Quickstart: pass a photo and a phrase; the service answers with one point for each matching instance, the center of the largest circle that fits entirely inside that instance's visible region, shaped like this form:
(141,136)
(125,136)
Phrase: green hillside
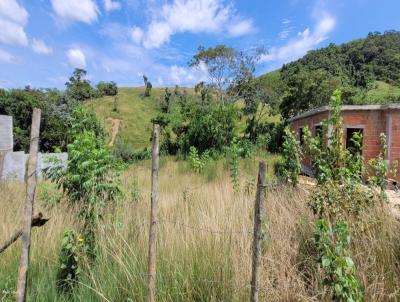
(134,110)
(366,70)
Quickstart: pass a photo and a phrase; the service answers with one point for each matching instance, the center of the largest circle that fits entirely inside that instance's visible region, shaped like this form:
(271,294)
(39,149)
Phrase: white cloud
(6,57)
(76,58)
(10,9)
(12,33)
(195,16)
(76,10)
(158,33)
(305,41)
(187,75)
(241,28)
(286,29)
(110,5)
(137,34)
(13,18)
(40,47)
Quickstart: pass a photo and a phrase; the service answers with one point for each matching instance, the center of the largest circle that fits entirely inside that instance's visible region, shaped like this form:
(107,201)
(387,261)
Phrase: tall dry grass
(204,243)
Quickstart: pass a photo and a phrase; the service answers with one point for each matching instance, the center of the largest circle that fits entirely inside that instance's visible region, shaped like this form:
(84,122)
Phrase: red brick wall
(373,123)
(394,148)
(311,122)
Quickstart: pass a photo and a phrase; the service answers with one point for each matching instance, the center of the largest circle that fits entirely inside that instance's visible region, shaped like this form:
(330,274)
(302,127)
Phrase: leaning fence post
(257,235)
(30,196)
(153,216)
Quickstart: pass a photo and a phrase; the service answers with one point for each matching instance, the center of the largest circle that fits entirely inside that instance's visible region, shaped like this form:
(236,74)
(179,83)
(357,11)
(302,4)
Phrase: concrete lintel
(345,108)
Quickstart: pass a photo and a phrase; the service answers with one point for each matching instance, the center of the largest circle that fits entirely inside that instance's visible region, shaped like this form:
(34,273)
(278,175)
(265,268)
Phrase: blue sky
(42,41)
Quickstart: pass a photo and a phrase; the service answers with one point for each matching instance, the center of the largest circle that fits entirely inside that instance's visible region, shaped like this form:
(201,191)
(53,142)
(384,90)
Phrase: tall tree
(220,62)
(78,87)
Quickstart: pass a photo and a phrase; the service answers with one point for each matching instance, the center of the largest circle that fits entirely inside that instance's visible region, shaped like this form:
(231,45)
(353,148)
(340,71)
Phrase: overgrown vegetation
(57,108)
(366,70)
(315,245)
(90,181)
(290,167)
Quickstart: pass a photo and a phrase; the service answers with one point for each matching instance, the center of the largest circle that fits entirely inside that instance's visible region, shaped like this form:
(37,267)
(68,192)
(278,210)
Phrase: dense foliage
(335,258)
(78,87)
(107,88)
(203,126)
(290,167)
(355,67)
(57,109)
(90,178)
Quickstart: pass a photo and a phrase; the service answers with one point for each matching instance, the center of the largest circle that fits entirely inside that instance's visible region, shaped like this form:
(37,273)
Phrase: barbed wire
(218,232)
(195,228)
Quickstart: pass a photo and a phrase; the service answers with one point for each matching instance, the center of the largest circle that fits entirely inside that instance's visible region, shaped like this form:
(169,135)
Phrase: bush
(290,168)
(122,151)
(107,88)
(68,269)
(197,162)
(270,136)
(335,258)
(211,127)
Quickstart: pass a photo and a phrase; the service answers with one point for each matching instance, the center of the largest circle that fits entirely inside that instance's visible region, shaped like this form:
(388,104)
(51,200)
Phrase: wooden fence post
(153,216)
(30,196)
(257,235)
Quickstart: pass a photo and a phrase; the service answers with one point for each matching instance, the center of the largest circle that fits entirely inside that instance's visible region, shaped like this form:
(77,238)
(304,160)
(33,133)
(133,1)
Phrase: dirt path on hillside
(115,125)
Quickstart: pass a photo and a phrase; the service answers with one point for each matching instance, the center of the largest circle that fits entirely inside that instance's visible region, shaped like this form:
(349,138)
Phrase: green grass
(383,93)
(135,111)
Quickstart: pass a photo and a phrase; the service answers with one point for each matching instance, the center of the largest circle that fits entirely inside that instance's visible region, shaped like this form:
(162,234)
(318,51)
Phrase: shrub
(197,162)
(49,194)
(337,200)
(83,120)
(90,179)
(381,168)
(122,151)
(233,156)
(333,161)
(107,88)
(270,136)
(335,259)
(68,269)
(290,167)
(211,126)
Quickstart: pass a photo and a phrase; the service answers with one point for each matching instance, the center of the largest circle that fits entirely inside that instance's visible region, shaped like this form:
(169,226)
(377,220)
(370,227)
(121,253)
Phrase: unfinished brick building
(370,120)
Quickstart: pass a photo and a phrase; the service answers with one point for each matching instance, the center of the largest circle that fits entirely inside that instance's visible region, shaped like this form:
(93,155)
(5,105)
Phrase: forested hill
(367,71)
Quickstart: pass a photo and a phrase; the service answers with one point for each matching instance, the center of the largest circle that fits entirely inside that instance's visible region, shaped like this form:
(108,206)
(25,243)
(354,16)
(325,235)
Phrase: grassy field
(381,92)
(135,111)
(204,241)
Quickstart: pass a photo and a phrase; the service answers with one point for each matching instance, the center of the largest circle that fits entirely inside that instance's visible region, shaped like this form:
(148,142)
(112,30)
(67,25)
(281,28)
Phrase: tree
(56,108)
(244,86)
(148,86)
(219,61)
(356,68)
(166,101)
(107,88)
(205,94)
(291,165)
(78,87)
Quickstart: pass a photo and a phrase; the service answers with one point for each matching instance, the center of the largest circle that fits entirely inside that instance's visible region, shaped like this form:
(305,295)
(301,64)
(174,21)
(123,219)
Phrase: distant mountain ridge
(366,70)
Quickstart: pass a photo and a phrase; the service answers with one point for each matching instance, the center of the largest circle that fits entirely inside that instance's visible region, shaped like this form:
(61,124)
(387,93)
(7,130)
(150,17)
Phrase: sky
(42,41)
